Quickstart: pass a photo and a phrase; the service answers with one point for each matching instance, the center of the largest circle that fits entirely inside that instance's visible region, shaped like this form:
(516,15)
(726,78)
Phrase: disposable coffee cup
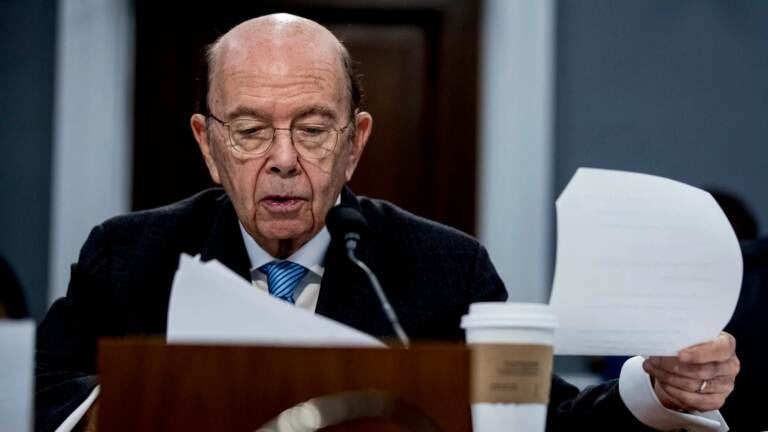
(510,366)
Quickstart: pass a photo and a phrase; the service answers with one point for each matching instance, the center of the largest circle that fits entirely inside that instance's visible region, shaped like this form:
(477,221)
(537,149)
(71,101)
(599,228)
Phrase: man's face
(281,197)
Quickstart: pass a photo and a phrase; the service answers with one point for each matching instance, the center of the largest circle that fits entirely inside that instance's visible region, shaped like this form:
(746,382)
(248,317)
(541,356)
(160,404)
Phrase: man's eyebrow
(244,111)
(316,110)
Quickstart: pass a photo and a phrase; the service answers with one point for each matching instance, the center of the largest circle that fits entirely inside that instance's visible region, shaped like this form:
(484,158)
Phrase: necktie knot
(283,277)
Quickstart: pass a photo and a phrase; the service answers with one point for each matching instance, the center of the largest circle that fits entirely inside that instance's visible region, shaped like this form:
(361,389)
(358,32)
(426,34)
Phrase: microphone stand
(351,244)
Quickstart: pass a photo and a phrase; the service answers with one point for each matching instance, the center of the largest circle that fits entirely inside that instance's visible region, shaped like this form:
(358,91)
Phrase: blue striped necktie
(282,278)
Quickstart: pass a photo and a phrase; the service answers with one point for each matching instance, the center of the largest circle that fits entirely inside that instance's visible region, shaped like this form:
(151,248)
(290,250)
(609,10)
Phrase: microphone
(347,223)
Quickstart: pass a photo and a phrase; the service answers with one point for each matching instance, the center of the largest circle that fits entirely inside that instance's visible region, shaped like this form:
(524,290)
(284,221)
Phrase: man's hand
(699,378)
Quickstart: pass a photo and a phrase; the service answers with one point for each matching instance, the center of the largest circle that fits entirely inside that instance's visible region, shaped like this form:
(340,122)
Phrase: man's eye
(254,132)
(311,130)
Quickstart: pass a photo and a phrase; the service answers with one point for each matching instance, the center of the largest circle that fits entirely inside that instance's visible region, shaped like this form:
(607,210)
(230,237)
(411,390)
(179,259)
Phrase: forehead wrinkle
(274,65)
(257,114)
(282,66)
(245,82)
(271,96)
(242,85)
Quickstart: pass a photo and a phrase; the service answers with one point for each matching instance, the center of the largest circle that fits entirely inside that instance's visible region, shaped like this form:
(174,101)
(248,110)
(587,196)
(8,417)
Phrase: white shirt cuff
(638,395)
(79,412)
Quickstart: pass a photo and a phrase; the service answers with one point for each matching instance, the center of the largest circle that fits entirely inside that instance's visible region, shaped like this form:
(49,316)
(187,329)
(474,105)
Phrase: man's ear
(200,131)
(363,127)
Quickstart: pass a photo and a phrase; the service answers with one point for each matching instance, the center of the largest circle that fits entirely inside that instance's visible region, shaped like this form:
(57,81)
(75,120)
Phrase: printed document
(645,265)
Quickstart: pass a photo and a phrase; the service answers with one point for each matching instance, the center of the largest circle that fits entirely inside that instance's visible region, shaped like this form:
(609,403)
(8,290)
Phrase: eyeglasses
(250,137)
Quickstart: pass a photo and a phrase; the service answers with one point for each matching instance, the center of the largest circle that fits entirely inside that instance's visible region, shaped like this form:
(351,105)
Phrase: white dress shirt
(638,395)
(311,256)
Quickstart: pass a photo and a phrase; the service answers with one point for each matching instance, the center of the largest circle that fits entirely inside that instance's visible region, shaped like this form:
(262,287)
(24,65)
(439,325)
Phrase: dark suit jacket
(431,273)
(744,410)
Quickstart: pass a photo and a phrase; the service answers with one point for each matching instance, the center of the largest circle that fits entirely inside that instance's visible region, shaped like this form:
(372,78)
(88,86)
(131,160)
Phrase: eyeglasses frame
(339,132)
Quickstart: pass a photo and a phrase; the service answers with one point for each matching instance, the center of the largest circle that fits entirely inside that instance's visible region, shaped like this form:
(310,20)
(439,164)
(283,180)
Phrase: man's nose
(283,158)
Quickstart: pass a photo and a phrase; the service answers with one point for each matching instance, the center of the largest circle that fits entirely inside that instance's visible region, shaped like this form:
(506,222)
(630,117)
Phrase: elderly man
(283,133)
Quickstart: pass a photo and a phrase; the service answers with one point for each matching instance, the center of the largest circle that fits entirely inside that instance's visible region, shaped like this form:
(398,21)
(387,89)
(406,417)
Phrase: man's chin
(285,230)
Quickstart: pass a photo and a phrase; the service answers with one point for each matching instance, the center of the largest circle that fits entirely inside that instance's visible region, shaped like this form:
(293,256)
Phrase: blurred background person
(738,212)
(13,305)
(744,410)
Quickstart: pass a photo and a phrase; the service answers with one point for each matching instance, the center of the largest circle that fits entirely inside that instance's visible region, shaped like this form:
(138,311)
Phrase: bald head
(289,77)
(273,39)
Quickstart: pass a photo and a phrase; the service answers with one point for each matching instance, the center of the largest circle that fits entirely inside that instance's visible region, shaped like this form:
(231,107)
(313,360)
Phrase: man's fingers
(718,384)
(696,371)
(720,349)
(694,401)
(666,399)
(678,380)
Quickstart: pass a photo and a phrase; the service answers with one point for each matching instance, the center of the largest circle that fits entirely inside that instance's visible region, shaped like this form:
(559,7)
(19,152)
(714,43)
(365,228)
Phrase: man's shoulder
(397,224)
(755,253)
(200,207)
(183,224)
(425,259)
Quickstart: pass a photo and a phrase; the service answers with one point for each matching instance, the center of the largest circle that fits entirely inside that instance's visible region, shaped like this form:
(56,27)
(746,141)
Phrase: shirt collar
(311,255)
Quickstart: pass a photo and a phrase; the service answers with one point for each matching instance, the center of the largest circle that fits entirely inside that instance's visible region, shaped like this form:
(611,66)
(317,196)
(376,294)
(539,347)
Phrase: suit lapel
(225,242)
(345,293)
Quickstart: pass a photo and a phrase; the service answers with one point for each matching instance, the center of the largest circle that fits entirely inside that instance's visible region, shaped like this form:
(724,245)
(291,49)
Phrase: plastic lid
(500,314)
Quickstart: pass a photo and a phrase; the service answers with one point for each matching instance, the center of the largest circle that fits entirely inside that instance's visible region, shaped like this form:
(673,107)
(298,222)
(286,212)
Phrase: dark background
(26,118)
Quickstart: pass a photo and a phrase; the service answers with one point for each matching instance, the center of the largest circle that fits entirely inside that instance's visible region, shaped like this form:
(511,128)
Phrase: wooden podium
(147,385)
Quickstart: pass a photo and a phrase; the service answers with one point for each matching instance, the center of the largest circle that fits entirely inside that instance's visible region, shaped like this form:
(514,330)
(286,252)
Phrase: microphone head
(344,219)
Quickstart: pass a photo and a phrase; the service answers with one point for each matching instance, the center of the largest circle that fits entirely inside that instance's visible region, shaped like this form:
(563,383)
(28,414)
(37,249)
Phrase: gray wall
(673,88)
(26,86)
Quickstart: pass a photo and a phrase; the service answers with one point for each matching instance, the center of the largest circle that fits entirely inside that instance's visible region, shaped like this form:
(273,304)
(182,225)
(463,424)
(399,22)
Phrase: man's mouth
(282,203)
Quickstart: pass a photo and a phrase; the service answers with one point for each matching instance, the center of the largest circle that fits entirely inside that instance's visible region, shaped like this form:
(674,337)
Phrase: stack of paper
(210,304)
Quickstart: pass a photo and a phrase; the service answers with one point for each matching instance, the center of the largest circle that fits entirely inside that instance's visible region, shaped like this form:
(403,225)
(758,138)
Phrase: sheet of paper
(210,304)
(17,343)
(645,265)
